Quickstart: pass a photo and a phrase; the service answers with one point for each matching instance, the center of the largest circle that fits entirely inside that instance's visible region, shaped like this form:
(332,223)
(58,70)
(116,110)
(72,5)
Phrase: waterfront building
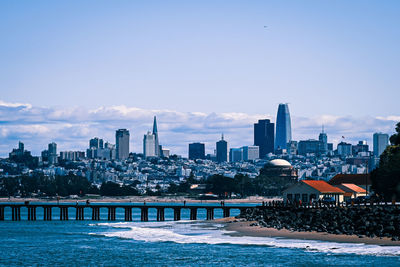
(122,143)
(264,137)
(309,190)
(235,155)
(283,127)
(149,145)
(361,180)
(197,151)
(381,141)
(222,150)
(344,149)
(250,152)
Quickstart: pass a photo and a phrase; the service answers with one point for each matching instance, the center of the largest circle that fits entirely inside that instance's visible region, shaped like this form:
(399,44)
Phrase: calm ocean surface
(169,243)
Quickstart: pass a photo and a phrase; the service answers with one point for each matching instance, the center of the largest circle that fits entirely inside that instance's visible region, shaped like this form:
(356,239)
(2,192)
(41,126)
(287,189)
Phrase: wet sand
(243,228)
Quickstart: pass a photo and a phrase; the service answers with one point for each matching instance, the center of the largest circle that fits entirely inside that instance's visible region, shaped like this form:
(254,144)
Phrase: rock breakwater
(364,221)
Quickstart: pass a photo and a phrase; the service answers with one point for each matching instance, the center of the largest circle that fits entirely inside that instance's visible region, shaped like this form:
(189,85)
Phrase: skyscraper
(156,142)
(323,139)
(149,145)
(222,150)
(122,143)
(381,141)
(283,127)
(264,137)
(52,156)
(197,151)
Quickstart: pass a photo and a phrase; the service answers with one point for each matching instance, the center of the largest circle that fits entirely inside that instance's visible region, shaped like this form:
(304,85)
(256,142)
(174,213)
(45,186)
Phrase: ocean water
(169,243)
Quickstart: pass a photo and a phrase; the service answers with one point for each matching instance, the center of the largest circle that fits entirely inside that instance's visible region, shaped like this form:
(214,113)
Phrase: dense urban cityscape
(156,169)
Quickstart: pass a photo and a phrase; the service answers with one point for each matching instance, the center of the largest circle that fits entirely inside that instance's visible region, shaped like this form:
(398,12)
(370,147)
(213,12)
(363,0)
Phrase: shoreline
(243,228)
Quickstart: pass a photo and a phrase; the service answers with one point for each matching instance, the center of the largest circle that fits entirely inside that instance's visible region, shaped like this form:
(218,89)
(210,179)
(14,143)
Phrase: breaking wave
(185,232)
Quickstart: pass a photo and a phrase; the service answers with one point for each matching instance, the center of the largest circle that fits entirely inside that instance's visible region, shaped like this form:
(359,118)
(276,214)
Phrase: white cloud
(71,128)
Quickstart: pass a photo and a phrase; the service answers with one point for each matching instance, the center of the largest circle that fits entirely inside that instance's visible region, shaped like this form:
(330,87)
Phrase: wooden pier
(65,212)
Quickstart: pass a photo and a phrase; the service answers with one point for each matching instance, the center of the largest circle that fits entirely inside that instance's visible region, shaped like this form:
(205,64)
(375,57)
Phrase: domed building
(279,168)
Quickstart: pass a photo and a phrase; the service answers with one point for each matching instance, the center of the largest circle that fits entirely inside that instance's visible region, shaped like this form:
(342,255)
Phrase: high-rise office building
(235,154)
(52,154)
(381,141)
(283,127)
(156,142)
(122,143)
(250,152)
(197,151)
(222,150)
(323,139)
(149,147)
(264,137)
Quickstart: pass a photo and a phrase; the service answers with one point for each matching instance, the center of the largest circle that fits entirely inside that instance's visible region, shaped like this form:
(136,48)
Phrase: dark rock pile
(371,221)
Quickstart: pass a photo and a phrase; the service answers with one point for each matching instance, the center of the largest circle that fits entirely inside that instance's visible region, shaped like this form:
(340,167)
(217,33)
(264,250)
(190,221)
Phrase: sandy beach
(243,228)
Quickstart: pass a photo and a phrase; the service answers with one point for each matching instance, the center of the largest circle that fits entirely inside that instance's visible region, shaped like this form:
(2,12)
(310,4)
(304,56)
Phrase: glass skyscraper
(264,137)
(283,127)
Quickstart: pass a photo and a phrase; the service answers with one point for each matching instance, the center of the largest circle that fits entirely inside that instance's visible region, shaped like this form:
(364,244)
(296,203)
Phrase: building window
(296,197)
(313,196)
(289,197)
(304,198)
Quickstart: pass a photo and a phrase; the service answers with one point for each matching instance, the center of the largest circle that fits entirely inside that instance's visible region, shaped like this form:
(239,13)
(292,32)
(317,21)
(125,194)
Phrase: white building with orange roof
(307,190)
(352,190)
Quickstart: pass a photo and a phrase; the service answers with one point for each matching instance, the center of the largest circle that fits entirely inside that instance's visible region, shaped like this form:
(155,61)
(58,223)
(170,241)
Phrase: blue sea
(169,243)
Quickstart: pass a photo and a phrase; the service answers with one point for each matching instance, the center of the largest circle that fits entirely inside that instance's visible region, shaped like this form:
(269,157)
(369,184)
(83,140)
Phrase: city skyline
(72,128)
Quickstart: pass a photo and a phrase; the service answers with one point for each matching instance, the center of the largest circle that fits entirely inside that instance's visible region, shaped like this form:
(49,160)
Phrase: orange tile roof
(353,187)
(323,186)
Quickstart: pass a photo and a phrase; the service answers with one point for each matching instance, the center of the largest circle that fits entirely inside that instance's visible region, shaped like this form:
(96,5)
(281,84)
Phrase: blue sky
(328,59)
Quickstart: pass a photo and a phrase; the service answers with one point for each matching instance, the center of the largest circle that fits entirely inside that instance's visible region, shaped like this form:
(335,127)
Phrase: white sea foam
(189,232)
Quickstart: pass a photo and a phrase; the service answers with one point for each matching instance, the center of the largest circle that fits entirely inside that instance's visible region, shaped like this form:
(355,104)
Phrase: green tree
(386,178)
(395,138)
